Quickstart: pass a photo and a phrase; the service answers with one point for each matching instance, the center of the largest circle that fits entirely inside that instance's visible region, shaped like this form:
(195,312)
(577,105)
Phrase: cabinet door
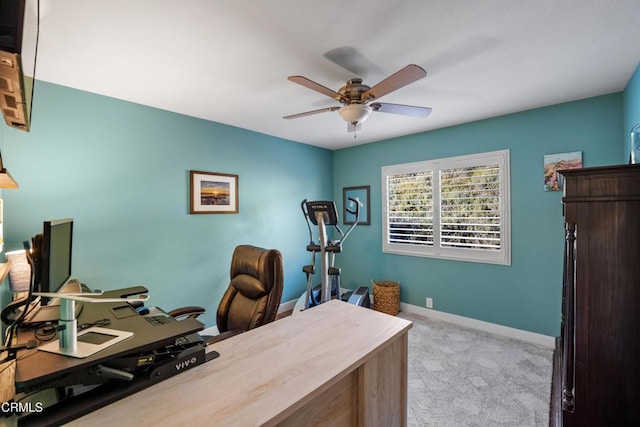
(607,325)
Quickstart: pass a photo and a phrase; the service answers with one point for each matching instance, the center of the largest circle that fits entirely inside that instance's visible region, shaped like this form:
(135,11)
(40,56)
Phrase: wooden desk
(334,364)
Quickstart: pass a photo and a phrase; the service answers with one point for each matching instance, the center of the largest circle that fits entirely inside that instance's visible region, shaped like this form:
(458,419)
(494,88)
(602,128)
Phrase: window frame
(501,256)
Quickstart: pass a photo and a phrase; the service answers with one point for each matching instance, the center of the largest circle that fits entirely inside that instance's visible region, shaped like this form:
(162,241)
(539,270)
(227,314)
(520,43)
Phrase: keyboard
(189,340)
(183,341)
(159,320)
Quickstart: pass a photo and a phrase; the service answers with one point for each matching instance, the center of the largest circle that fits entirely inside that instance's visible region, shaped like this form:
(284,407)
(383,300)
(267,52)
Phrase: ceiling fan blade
(408,74)
(405,110)
(315,86)
(310,113)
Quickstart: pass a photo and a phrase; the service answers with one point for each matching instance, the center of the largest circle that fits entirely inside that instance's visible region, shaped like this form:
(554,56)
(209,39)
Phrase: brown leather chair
(253,296)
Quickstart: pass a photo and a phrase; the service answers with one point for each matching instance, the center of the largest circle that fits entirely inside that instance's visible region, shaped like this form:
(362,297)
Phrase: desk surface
(263,375)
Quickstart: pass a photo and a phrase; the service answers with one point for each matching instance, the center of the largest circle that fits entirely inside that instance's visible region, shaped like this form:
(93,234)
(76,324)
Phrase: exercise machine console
(322,214)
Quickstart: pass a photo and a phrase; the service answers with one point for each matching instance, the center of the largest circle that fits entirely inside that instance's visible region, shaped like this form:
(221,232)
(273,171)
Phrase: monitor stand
(89,342)
(46,314)
(93,339)
(38,313)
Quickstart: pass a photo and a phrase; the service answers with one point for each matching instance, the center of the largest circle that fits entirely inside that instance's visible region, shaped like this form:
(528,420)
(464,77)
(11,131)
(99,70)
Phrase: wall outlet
(429,302)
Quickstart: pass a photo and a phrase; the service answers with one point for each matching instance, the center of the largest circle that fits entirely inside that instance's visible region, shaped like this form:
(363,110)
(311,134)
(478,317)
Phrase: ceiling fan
(356,97)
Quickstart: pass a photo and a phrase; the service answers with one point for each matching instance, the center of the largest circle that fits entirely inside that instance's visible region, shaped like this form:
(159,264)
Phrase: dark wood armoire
(596,372)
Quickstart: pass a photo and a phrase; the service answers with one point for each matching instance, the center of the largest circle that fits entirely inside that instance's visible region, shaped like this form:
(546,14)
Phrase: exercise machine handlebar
(326,212)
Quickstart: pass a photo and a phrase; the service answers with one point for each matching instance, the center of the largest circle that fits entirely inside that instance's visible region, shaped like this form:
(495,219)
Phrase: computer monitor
(55,255)
(50,258)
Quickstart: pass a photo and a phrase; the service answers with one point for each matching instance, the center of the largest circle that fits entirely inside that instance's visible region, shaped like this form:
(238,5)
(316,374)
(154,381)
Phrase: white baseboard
(468,322)
(287,306)
(493,328)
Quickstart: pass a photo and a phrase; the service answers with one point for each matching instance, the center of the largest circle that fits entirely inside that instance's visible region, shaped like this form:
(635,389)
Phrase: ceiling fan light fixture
(355,113)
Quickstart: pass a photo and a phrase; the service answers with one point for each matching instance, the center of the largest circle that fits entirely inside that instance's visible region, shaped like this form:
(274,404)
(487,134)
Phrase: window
(455,208)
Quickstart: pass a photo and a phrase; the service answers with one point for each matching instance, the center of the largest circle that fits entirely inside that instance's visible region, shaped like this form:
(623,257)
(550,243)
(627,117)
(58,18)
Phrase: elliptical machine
(323,214)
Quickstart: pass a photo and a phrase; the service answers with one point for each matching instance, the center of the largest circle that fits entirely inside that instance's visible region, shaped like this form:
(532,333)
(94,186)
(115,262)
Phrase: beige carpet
(461,377)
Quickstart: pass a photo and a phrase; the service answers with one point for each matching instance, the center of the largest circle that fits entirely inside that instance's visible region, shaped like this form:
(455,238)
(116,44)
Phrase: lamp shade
(355,113)
(6,180)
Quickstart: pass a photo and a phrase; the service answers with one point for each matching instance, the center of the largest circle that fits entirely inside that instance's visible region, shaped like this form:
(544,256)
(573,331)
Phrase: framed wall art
(359,193)
(634,158)
(555,162)
(213,193)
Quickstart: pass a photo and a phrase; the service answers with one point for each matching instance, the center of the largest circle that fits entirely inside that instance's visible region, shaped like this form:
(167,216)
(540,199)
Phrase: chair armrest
(190,312)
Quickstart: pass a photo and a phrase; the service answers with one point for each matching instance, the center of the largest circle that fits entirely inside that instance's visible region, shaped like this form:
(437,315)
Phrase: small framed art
(555,162)
(362,195)
(213,193)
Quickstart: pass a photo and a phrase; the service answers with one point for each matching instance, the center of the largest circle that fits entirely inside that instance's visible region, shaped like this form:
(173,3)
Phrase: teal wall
(527,294)
(121,170)
(631,102)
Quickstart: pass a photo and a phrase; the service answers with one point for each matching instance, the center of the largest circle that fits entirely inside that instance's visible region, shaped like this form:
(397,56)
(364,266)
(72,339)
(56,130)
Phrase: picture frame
(634,156)
(554,181)
(361,193)
(213,193)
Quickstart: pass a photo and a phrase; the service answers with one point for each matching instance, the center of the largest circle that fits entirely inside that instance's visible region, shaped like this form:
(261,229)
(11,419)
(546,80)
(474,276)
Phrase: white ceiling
(228,61)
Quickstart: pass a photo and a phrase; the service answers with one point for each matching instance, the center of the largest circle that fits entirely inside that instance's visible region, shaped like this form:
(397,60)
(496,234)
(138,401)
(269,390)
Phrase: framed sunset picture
(213,193)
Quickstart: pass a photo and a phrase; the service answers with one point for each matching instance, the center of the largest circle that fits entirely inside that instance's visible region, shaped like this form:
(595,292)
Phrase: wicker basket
(386,297)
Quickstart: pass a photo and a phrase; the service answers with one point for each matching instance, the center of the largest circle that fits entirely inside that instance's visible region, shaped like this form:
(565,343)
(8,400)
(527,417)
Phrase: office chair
(253,296)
